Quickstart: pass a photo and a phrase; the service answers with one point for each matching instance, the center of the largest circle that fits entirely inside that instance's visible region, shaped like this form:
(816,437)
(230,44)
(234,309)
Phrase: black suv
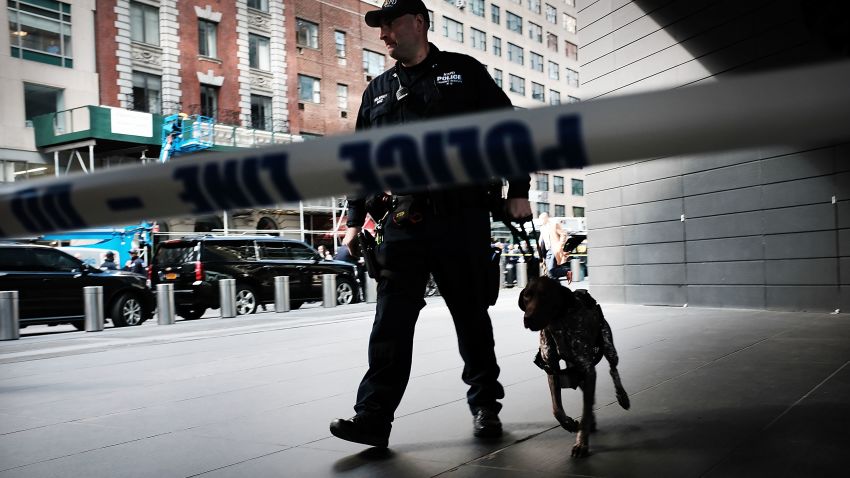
(195,265)
(50,287)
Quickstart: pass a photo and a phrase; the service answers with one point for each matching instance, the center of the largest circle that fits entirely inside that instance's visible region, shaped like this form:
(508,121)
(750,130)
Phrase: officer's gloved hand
(519,209)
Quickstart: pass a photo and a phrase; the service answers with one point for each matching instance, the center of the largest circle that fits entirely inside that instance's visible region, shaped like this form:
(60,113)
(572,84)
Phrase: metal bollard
(227,296)
(93,300)
(371,290)
(329,290)
(521,273)
(575,266)
(165,304)
(9,326)
(281,294)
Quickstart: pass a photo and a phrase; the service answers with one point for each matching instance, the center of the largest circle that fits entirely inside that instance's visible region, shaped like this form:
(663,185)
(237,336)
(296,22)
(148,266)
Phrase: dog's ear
(521,300)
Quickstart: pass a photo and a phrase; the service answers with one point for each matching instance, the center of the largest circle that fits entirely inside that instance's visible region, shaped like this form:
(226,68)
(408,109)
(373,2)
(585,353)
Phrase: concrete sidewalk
(714,393)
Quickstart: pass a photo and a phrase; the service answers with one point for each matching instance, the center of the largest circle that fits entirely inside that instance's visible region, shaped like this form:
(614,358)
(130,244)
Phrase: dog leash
(521,236)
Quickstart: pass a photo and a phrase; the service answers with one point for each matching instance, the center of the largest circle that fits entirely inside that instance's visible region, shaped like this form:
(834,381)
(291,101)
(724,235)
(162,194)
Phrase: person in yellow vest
(552,240)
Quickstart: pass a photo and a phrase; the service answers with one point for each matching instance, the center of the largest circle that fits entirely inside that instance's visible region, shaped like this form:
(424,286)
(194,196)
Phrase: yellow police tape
(809,104)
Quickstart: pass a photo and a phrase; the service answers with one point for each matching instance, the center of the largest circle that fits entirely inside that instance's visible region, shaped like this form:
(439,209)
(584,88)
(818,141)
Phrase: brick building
(326,46)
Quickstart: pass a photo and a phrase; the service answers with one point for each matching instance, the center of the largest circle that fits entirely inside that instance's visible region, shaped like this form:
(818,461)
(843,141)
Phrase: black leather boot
(486,423)
(362,429)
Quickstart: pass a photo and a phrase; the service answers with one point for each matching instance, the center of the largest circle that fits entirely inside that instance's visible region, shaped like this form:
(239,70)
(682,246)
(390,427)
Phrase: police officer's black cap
(392,9)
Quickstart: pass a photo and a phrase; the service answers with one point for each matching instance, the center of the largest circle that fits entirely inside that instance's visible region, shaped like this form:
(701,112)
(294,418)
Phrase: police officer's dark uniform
(446,233)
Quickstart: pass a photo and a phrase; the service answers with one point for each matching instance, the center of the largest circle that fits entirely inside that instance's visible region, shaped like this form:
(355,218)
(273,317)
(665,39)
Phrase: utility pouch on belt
(368,246)
(406,210)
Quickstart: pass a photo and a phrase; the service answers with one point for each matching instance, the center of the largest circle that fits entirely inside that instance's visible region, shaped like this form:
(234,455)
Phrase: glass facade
(40,30)
(261,112)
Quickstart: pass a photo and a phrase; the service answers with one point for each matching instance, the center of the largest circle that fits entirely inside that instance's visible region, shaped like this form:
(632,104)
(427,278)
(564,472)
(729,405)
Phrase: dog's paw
(623,399)
(567,423)
(580,450)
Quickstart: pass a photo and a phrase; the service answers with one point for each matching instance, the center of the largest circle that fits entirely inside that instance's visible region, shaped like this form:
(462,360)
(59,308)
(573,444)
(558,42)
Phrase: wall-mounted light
(33,170)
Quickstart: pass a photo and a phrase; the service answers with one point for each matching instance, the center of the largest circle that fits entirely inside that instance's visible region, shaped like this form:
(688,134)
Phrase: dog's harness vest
(580,337)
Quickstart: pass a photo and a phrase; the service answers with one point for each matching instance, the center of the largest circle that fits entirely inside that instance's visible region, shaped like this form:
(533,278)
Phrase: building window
(515,54)
(514,23)
(551,14)
(554,71)
(373,63)
(558,184)
(552,42)
(479,40)
(339,40)
(569,23)
(542,180)
(41,31)
(536,62)
(538,92)
(144,23)
(578,187)
(542,207)
(477,7)
(535,32)
(306,33)
(207,38)
(147,93)
(554,97)
(452,29)
(261,112)
(497,77)
(572,77)
(342,96)
(41,100)
(571,49)
(572,99)
(309,89)
(496,14)
(261,5)
(517,84)
(259,54)
(209,101)
(430,20)
(560,210)
(578,211)
(497,46)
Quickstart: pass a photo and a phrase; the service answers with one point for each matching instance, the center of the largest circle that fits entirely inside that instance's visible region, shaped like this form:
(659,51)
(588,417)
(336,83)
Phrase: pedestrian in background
(135,264)
(552,240)
(109,262)
(441,232)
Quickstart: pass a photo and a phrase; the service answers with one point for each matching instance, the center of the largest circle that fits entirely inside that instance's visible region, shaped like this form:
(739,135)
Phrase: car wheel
(345,293)
(192,314)
(127,310)
(246,300)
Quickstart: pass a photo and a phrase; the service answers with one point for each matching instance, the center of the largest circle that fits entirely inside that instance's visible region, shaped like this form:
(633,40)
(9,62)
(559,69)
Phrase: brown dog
(574,336)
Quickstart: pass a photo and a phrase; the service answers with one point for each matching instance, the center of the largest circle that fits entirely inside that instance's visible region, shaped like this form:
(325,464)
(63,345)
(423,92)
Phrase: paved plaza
(714,393)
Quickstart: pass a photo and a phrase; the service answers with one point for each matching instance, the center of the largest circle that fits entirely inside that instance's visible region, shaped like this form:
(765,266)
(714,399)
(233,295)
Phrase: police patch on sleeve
(450,78)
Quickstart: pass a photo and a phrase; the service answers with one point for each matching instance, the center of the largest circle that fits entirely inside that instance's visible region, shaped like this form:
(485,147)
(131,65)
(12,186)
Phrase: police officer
(442,232)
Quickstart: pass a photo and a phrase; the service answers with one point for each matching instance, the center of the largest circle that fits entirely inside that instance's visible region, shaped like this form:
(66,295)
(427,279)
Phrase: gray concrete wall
(762,228)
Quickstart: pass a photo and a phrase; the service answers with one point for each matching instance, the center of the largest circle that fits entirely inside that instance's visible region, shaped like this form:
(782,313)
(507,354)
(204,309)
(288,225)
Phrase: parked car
(50,287)
(196,264)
